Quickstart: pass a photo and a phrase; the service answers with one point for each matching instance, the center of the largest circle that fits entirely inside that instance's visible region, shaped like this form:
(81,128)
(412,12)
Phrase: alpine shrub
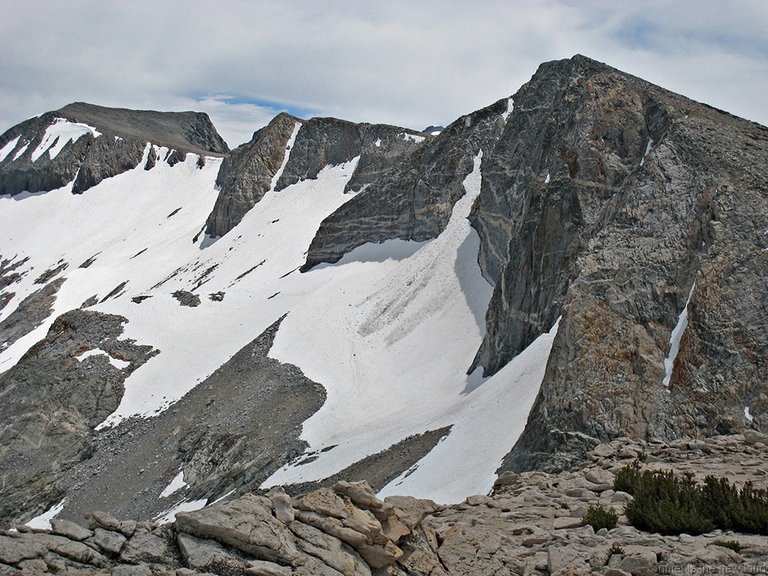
(598,517)
(667,504)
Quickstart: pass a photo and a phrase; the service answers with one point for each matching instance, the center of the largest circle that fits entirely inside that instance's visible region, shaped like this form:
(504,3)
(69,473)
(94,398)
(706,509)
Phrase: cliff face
(277,157)
(246,173)
(608,202)
(413,198)
(88,143)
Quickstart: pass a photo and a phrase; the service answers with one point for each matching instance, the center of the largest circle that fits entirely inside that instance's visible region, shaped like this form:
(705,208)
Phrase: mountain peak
(85,143)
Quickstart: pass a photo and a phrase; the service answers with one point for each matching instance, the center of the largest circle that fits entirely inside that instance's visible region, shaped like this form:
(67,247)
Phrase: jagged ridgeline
(619,237)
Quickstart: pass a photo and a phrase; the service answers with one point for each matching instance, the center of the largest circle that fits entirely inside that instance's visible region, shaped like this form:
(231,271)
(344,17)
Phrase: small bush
(598,517)
(627,478)
(667,504)
(731,544)
(615,549)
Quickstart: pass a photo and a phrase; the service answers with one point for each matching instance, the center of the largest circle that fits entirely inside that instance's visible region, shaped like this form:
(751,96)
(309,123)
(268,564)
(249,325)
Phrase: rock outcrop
(246,174)
(532,523)
(85,143)
(611,202)
(52,399)
(413,199)
(253,169)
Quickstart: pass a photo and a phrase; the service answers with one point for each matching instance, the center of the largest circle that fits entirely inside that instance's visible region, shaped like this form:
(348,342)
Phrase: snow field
(389,330)
(391,340)
(112,222)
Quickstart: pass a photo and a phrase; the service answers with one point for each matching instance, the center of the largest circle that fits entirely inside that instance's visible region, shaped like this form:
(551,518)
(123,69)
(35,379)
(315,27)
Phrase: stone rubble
(529,525)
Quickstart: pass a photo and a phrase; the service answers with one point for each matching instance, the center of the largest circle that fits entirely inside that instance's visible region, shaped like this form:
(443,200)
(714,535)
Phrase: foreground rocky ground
(530,524)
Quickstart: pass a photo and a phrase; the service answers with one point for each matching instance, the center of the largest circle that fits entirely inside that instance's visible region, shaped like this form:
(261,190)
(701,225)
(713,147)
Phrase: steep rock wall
(603,202)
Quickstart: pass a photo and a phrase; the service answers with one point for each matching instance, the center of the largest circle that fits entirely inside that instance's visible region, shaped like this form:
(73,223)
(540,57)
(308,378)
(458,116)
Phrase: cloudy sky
(411,63)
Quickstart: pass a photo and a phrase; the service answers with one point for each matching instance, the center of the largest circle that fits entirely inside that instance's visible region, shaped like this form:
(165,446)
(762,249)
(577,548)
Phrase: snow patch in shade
(184,506)
(675,338)
(174,486)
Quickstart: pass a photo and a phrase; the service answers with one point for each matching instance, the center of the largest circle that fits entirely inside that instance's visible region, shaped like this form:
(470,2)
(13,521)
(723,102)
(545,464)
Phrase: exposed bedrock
(413,199)
(248,172)
(604,200)
(51,400)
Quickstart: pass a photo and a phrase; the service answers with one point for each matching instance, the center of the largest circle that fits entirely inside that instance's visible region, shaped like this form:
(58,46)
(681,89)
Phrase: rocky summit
(351,348)
(84,144)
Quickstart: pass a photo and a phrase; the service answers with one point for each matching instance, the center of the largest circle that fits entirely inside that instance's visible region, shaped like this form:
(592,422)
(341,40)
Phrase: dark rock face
(603,201)
(329,141)
(229,433)
(54,399)
(29,314)
(412,200)
(246,174)
(90,159)
(184,131)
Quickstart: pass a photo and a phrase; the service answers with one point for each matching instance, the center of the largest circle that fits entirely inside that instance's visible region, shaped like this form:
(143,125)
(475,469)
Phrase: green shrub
(732,544)
(627,478)
(615,549)
(667,504)
(598,517)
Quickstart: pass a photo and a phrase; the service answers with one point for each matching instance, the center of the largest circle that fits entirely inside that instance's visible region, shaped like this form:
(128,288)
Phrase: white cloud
(406,63)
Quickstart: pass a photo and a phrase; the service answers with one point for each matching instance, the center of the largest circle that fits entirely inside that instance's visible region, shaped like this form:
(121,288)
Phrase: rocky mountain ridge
(84,144)
(610,210)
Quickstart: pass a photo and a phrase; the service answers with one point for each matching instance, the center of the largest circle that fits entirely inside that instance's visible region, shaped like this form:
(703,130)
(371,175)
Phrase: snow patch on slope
(675,338)
(390,338)
(184,506)
(647,151)
(8,148)
(288,148)
(21,151)
(510,108)
(59,134)
(116,362)
(174,486)
(43,521)
(412,137)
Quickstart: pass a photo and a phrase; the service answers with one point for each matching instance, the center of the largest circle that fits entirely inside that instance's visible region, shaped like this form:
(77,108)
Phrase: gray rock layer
(603,201)
(89,159)
(246,174)
(51,400)
(413,199)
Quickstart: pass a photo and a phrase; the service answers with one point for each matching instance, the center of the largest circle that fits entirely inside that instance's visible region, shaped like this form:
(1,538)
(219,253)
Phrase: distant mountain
(433,130)
(180,323)
(85,143)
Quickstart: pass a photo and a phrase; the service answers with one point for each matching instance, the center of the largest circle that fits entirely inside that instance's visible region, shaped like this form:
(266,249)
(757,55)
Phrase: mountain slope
(580,262)
(626,205)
